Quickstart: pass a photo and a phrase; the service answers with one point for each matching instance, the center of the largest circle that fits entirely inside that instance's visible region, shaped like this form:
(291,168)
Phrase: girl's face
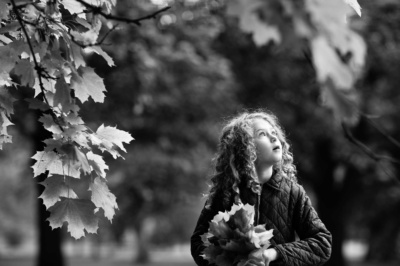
(267,143)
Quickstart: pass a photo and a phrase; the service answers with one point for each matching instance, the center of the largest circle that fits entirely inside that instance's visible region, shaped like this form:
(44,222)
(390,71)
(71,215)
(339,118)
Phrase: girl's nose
(273,139)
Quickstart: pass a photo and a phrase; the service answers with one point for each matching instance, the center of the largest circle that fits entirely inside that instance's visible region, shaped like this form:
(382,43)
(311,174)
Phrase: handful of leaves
(232,238)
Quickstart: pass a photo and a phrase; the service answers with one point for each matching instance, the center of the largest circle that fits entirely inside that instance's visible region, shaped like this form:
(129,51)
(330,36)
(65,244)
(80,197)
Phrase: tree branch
(38,68)
(97,10)
(385,134)
(366,149)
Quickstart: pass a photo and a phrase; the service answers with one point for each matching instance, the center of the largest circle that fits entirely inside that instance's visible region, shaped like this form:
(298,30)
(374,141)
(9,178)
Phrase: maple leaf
(76,54)
(250,22)
(37,104)
(6,101)
(78,213)
(97,163)
(4,39)
(74,7)
(103,198)
(342,102)
(24,69)
(8,58)
(4,10)
(4,123)
(54,163)
(10,27)
(63,95)
(111,136)
(55,187)
(354,4)
(74,119)
(88,37)
(48,84)
(72,157)
(99,51)
(87,83)
(5,79)
(328,64)
(49,124)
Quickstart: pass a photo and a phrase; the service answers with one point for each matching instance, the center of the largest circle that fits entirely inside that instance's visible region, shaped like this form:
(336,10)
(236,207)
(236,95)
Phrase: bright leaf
(250,22)
(49,124)
(99,51)
(97,163)
(328,64)
(78,213)
(55,187)
(87,83)
(114,135)
(51,161)
(354,4)
(103,198)
(4,123)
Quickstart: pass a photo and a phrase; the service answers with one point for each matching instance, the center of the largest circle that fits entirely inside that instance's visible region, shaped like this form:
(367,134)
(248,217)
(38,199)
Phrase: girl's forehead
(260,123)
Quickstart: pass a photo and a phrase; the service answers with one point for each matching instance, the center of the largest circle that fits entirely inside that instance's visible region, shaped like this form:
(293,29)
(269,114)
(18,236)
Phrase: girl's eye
(274,133)
(262,134)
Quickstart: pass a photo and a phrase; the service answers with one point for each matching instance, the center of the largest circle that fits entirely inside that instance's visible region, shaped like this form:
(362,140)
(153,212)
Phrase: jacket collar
(275,181)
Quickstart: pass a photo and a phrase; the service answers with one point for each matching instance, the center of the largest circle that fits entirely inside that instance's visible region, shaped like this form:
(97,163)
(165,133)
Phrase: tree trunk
(49,253)
(144,228)
(330,200)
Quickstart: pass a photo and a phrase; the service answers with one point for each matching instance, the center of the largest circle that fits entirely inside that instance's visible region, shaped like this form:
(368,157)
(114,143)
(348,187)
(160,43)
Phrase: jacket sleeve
(197,245)
(315,244)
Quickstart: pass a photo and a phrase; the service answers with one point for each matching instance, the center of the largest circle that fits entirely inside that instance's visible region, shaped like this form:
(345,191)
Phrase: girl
(254,165)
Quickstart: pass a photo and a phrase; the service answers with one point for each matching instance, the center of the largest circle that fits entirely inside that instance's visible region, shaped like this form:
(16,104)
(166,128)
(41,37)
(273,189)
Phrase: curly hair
(236,155)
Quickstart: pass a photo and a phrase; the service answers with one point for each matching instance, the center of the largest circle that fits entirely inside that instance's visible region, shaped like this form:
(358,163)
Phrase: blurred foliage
(177,78)
(170,90)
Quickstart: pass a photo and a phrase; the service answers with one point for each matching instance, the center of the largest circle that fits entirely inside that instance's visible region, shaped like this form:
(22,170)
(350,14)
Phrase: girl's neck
(264,174)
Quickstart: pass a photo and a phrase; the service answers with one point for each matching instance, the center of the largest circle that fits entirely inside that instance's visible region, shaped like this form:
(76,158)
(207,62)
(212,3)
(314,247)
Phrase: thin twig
(97,10)
(366,149)
(385,134)
(39,69)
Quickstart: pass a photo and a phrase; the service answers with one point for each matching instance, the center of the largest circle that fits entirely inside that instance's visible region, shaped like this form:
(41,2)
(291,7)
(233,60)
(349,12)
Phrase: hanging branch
(366,149)
(97,10)
(40,71)
(381,131)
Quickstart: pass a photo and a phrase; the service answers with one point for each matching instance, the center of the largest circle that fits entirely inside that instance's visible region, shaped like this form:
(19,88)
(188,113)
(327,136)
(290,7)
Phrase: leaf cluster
(42,47)
(318,29)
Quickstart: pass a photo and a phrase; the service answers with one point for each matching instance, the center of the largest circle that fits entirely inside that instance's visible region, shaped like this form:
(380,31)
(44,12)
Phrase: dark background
(177,79)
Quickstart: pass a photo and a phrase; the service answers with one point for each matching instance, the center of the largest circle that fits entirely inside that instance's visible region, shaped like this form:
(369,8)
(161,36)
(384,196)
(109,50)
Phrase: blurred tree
(171,90)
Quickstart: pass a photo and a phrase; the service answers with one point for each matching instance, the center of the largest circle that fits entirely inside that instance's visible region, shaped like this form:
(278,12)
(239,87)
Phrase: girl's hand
(269,255)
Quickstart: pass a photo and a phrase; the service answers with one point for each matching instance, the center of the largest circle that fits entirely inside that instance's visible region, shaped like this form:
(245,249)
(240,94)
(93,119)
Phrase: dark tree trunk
(143,254)
(330,200)
(49,241)
(49,253)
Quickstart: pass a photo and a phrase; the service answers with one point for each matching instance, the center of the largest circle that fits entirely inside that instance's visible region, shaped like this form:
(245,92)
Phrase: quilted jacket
(283,206)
